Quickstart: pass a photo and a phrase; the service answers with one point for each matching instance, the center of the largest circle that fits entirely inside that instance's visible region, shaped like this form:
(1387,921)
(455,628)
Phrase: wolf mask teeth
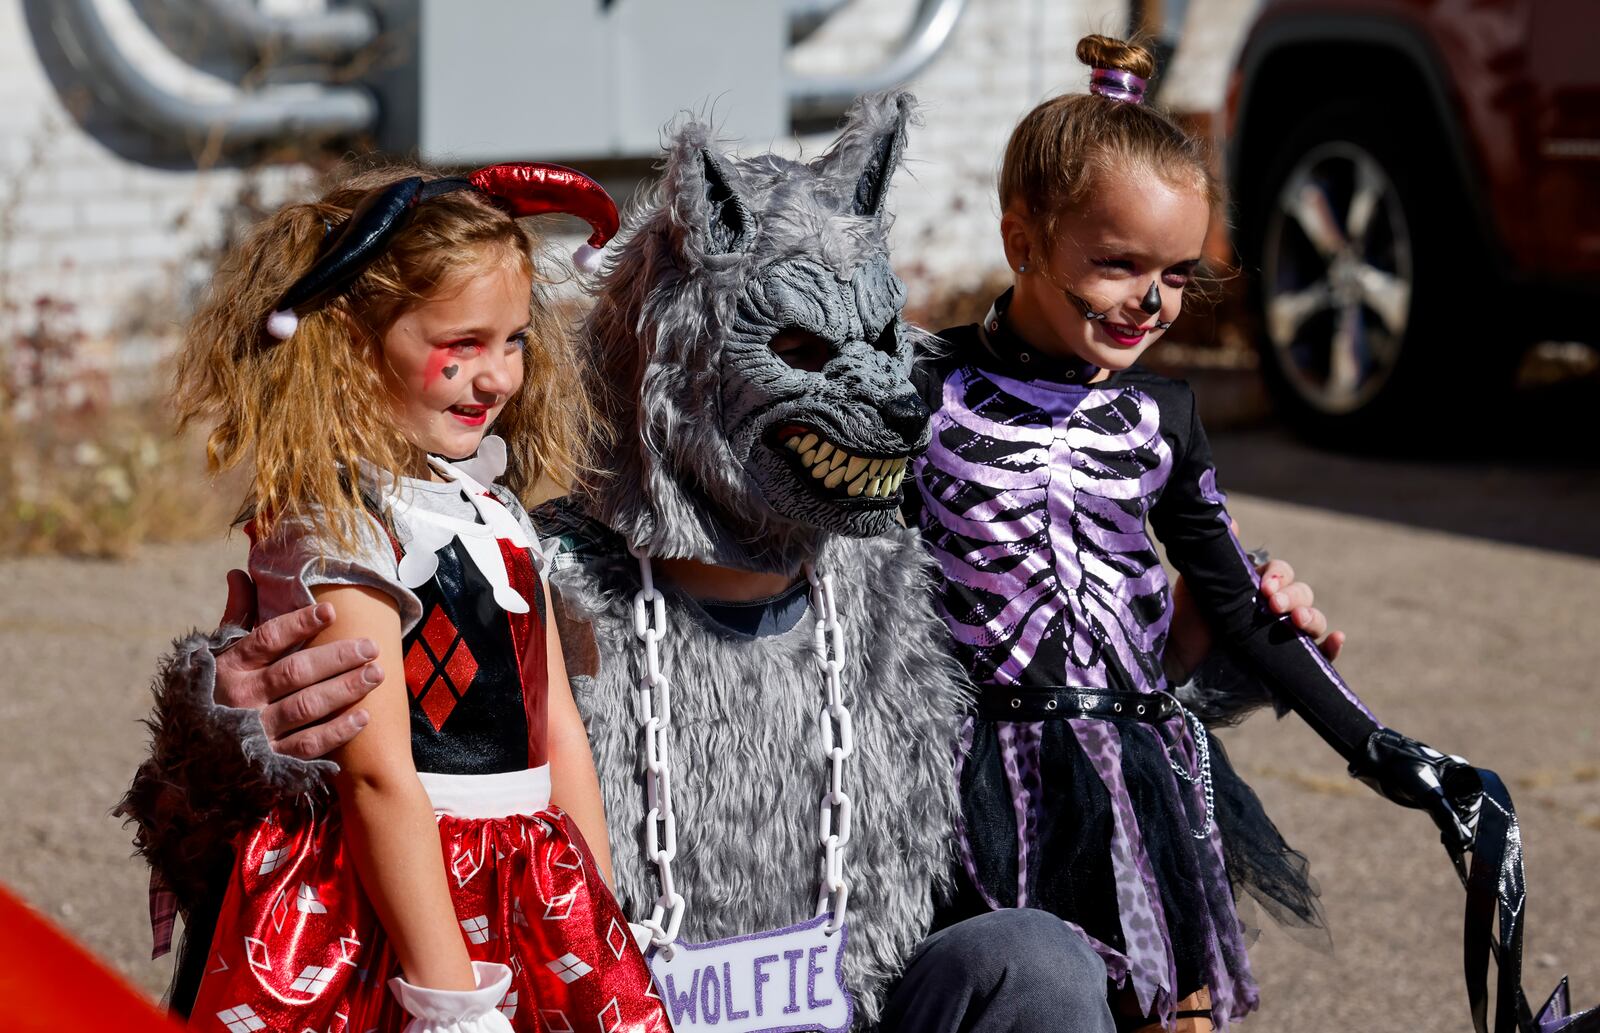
(849,475)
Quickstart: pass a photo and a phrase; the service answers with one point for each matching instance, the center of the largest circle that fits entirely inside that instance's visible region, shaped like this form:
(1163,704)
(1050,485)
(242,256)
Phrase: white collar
(431,531)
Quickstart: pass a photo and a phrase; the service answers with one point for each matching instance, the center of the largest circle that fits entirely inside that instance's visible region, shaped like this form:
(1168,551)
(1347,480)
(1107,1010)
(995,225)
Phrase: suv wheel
(1353,234)
(1336,279)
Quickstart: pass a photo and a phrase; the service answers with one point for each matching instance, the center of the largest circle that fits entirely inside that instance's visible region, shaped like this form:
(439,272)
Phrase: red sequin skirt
(299,947)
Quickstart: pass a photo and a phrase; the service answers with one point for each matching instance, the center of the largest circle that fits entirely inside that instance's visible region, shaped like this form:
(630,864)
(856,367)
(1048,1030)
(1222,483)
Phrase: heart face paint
(438,359)
(450,372)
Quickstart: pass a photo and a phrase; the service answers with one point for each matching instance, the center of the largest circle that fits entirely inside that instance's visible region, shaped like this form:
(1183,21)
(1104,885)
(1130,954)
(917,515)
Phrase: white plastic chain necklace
(654,710)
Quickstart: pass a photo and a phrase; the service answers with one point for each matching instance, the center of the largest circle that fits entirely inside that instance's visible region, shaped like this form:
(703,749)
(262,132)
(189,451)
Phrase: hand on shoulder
(295,690)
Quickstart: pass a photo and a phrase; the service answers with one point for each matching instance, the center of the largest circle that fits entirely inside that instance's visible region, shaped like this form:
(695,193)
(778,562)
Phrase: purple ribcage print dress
(1034,497)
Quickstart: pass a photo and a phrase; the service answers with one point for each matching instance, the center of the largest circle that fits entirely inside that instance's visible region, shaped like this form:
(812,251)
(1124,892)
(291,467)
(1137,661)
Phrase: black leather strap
(1495,888)
(1000,704)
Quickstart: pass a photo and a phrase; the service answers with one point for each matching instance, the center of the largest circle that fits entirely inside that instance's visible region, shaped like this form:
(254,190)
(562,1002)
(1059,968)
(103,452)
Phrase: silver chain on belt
(653,708)
(1202,753)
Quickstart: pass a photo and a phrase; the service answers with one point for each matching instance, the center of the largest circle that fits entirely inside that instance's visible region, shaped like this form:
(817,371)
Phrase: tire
(1366,273)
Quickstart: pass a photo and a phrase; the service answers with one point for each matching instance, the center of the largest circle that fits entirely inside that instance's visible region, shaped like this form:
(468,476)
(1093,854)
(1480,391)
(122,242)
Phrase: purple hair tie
(1118,85)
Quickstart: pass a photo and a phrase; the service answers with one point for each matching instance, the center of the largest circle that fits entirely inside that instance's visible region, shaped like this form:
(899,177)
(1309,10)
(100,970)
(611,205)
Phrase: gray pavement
(1478,648)
(1470,591)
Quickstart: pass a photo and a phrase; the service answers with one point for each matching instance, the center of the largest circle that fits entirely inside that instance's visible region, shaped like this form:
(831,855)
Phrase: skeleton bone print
(1036,496)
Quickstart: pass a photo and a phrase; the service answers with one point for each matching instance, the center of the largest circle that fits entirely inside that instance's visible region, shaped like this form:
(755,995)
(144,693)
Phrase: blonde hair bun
(1120,55)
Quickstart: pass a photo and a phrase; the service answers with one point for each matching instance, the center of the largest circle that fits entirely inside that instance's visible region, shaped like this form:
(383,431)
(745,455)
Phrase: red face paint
(438,359)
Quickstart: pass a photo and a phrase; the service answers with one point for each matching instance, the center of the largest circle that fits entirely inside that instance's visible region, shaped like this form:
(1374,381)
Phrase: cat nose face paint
(1152,300)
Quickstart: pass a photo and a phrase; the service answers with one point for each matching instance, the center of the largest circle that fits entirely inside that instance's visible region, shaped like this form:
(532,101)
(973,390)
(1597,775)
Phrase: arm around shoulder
(211,771)
(239,722)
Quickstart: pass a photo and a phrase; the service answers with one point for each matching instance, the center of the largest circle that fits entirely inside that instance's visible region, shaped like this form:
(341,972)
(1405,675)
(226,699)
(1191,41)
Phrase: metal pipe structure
(272,114)
(807,16)
(330,36)
(813,98)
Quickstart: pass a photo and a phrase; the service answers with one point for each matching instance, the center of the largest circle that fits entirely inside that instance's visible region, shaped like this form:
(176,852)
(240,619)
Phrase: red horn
(527,188)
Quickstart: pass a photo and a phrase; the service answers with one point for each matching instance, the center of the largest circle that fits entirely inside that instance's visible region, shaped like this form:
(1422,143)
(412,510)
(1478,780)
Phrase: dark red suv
(1417,192)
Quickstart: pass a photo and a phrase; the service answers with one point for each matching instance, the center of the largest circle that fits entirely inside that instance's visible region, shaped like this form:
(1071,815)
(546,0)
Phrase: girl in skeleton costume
(1087,790)
(357,350)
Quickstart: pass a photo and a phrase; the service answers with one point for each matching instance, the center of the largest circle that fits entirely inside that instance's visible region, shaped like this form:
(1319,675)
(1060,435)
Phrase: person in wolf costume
(746,486)
(741,281)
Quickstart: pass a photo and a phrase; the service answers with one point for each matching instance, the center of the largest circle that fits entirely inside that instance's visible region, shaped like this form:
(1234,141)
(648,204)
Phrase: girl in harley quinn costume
(357,351)
(1086,789)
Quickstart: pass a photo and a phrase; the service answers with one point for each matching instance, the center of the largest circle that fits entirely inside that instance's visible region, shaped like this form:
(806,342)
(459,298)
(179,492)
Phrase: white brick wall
(116,236)
(1213,32)
(81,223)
(1005,56)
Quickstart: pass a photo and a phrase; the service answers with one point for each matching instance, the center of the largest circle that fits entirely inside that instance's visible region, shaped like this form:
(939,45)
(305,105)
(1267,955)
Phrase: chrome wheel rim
(1337,279)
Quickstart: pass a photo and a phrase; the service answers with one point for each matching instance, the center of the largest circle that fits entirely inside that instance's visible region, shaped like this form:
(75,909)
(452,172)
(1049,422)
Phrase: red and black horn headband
(521,188)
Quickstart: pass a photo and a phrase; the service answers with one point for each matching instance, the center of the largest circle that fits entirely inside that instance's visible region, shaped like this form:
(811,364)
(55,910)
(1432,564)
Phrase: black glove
(1414,775)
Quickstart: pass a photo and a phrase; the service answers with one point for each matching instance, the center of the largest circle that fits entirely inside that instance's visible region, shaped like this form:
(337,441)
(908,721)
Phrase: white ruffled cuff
(457,1011)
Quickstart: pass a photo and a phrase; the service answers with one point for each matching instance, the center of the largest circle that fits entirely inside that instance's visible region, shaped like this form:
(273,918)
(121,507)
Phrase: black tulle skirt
(1107,824)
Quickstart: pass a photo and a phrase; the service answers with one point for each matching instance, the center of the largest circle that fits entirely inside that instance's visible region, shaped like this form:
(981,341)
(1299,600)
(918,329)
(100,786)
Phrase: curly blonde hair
(309,409)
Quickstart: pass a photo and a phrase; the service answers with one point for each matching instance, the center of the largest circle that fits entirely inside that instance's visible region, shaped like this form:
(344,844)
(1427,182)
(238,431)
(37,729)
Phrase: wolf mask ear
(873,139)
(729,226)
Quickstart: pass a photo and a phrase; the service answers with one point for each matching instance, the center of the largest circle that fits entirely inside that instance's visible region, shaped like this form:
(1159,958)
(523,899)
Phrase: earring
(1022,267)
(1151,303)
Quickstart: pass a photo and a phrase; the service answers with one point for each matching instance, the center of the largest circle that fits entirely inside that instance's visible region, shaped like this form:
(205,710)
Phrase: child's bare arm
(388,819)
(574,786)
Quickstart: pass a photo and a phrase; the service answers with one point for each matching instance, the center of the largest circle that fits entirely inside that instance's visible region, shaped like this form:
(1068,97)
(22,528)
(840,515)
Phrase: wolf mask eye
(801,348)
(888,337)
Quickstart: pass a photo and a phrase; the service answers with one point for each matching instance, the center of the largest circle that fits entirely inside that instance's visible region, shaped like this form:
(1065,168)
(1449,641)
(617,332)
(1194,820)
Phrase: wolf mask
(758,367)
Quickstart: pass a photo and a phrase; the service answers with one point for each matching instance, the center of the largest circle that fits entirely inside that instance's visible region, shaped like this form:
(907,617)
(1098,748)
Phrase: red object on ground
(49,984)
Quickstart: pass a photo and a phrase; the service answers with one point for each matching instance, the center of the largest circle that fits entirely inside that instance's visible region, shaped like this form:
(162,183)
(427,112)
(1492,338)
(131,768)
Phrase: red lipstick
(1126,336)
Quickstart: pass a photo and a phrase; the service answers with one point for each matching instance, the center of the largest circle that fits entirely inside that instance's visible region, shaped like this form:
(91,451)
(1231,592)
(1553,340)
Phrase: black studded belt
(1002,704)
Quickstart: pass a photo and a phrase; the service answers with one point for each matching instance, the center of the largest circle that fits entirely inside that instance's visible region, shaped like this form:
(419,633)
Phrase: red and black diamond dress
(298,945)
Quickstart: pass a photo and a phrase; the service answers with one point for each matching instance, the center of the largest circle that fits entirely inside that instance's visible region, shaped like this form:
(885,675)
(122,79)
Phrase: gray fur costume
(726,261)
(729,255)
(748,767)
